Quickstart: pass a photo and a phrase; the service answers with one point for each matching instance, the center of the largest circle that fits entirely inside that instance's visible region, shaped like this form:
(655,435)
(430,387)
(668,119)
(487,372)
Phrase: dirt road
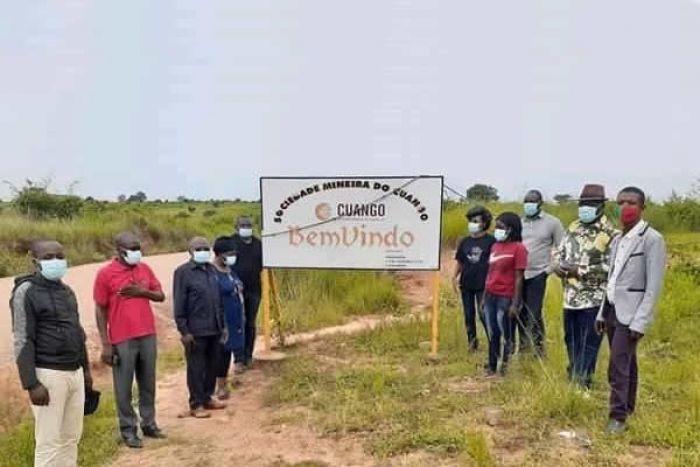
(81,278)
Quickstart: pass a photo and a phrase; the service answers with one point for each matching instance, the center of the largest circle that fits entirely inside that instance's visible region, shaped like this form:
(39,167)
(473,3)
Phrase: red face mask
(630,214)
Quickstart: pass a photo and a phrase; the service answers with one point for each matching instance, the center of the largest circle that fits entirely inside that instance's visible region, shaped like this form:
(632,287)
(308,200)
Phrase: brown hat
(593,192)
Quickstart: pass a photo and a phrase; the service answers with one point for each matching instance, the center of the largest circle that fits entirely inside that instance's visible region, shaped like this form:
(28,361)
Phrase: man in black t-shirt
(248,268)
(472,267)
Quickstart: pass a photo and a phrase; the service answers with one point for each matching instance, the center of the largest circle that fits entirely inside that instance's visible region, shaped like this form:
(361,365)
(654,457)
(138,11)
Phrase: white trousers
(59,425)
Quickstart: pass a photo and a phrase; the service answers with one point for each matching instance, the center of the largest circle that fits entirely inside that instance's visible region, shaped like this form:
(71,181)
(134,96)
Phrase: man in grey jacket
(635,279)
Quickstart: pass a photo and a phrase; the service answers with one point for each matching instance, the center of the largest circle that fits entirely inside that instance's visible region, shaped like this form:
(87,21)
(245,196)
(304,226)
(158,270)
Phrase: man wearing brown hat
(583,266)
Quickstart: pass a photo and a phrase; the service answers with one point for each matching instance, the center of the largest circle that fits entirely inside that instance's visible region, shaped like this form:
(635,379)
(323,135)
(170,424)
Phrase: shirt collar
(637,229)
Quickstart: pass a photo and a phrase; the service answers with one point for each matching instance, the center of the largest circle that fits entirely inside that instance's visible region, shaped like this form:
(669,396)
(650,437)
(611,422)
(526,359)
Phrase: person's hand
(88,380)
(224,336)
(107,355)
(39,395)
(635,336)
(514,311)
(133,290)
(187,341)
(600,327)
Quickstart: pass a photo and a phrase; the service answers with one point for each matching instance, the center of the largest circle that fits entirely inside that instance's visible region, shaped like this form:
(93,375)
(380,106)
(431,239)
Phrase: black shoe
(155,433)
(134,442)
(615,427)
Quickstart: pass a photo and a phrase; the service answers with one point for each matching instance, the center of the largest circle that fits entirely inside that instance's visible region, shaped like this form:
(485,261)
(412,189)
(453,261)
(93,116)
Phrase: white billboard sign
(382,223)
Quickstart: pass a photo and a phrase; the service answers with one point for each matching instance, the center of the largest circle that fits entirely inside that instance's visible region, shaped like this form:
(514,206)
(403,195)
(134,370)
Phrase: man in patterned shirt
(583,266)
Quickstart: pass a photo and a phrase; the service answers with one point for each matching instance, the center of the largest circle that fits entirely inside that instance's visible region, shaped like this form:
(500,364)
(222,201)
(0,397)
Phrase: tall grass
(673,216)
(163,229)
(314,299)
(387,393)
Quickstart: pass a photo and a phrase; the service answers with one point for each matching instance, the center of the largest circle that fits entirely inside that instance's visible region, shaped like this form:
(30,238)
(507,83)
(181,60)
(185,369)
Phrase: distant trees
(34,200)
(563,198)
(481,192)
(138,197)
(121,198)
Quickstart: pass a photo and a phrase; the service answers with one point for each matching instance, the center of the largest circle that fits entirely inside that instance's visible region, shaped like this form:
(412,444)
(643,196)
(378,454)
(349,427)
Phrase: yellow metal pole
(435,314)
(266,309)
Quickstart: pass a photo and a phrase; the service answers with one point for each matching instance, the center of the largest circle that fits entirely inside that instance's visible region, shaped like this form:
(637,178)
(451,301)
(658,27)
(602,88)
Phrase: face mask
(245,232)
(531,209)
(587,214)
(500,234)
(230,260)
(53,269)
(132,257)
(630,214)
(474,227)
(201,257)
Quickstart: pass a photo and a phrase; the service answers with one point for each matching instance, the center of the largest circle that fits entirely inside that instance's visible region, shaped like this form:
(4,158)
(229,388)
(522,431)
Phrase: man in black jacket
(199,318)
(51,356)
(248,268)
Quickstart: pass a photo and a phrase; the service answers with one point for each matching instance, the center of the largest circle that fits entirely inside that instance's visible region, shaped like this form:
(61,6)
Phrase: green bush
(34,200)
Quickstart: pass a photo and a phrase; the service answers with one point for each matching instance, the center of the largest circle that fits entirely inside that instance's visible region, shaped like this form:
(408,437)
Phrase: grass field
(379,387)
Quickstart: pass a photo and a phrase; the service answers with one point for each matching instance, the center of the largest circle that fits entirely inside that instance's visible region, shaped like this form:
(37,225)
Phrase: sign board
(381,223)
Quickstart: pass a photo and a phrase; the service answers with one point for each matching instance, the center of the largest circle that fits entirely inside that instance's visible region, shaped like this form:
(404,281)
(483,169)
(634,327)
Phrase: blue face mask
(587,214)
(500,234)
(531,209)
(230,260)
(201,257)
(132,257)
(53,269)
(474,227)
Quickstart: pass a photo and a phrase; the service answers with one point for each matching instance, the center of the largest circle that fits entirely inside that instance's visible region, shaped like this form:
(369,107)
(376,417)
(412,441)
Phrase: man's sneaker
(214,405)
(615,427)
(199,412)
(155,433)
(473,346)
(134,442)
(239,368)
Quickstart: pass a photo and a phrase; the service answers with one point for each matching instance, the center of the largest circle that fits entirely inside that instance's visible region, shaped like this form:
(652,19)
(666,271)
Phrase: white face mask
(53,269)
(245,232)
(500,234)
(201,257)
(230,260)
(474,227)
(132,257)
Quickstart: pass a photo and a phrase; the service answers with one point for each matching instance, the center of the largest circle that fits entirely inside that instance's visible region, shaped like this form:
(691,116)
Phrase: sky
(199,99)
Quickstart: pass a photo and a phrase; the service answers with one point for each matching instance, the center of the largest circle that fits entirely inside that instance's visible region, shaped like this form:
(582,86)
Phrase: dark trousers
(582,344)
(498,324)
(135,358)
(224,362)
(471,300)
(622,370)
(202,365)
(251,303)
(531,324)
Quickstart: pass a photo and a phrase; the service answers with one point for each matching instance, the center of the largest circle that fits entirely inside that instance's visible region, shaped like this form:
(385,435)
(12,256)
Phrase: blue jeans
(471,300)
(582,344)
(498,324)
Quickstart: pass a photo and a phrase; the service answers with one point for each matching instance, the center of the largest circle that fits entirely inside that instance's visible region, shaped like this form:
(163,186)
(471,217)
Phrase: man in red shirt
(123,291)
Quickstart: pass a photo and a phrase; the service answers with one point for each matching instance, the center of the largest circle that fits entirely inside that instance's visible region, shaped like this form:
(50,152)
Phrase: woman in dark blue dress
(231,290)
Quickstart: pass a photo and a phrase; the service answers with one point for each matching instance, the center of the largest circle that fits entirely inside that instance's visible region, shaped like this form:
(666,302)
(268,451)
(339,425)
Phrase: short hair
(37,245)
(223,245)
(481,211)
(538,193)
(125,237)
(636,191)
(512,221)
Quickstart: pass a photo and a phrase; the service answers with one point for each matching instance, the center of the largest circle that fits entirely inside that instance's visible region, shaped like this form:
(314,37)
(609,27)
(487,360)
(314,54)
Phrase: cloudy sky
(201,98)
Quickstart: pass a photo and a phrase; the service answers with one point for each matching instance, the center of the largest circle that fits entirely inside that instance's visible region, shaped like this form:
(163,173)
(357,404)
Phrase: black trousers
(252,303)
(531,323)
(202,365)
(622,369)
